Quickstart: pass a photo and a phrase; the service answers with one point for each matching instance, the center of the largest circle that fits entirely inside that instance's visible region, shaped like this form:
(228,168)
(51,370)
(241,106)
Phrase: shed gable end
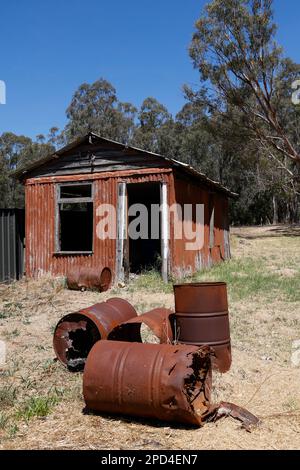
(97,158)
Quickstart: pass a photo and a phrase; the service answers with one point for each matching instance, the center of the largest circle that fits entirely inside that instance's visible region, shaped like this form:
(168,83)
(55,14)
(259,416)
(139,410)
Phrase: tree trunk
(297,211)
(294,209)
(275,211)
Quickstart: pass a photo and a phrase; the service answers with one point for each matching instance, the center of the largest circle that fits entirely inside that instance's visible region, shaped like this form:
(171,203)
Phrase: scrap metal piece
(159,321)
(225,409)
(201,318)
(76,333)
(162,381)
(82,278)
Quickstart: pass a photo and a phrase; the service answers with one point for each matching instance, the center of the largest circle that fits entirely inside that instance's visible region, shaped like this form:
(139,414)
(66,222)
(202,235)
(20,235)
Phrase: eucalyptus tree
(95,107)
(242,67)
(235,51)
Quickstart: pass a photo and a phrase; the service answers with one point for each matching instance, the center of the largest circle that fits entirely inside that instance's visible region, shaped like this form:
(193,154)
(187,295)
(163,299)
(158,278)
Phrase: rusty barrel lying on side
(201,318)
(162,381)
(76,333)
(82,278)
(158,322)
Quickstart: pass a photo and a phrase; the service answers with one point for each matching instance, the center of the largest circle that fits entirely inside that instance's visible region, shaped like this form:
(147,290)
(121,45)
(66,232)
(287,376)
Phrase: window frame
(74,200)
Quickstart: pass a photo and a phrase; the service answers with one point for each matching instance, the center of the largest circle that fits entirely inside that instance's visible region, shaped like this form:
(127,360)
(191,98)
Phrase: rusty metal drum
(159,322)
(82,278)
(202,319)
(162,381)
(76,333)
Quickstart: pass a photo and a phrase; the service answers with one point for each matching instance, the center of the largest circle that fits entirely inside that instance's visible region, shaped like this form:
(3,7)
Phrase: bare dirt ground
(41,405)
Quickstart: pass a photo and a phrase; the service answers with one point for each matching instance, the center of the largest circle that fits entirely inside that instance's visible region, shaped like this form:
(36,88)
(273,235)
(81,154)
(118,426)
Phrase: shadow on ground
(272,232)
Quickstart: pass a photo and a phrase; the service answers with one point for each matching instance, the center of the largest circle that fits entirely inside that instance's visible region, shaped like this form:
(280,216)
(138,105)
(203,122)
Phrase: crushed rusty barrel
(158,321)
(161,381)
(202,319)
(76,333)
(82,278)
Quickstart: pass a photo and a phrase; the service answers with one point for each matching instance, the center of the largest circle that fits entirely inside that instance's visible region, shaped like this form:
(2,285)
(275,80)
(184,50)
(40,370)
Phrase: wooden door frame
(122,228)
(122,242)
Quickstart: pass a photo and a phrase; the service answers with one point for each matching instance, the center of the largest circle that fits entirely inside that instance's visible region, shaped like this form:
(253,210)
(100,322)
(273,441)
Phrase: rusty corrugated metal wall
(188,261)
(40,220)
(40,223)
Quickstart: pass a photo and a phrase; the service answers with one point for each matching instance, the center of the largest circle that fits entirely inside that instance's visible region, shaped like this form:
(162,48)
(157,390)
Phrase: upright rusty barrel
(162,381)
(202,319)
(76,333)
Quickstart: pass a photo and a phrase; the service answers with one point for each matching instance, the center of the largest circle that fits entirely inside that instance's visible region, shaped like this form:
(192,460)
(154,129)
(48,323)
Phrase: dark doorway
(145,254)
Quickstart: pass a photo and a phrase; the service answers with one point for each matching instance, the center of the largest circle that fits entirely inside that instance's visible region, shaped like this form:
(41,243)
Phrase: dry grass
(41,404)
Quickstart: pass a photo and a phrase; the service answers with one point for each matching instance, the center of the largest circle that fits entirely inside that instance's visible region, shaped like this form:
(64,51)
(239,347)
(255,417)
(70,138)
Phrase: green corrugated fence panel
(11,244)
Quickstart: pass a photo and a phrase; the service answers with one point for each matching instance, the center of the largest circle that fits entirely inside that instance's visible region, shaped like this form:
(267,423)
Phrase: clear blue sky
(49,47)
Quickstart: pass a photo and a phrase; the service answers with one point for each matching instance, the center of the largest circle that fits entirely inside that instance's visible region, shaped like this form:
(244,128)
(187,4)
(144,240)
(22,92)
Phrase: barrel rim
(200,284)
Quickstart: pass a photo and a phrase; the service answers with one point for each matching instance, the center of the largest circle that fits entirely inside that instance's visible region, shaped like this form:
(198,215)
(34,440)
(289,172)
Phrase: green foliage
(17,151)
(150,281)
(252,116)
(37,407)
(246,277)
(10,309)
(155,129)
(3,420)
(12,430)
(249,277)
(96,108)
(8,396)
(11,334)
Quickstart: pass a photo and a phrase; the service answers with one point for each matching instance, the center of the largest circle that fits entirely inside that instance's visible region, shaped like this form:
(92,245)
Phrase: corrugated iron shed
(113,170)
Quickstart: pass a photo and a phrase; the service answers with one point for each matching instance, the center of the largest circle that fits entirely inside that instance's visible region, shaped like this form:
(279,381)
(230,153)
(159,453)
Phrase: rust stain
(159,320)
(202,319)
(161,381)
(76,333)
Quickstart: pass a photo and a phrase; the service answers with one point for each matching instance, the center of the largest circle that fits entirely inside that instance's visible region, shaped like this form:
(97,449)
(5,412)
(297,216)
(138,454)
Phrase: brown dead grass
(261,377)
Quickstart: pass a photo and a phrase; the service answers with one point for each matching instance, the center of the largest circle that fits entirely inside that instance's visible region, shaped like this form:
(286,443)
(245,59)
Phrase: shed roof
(92,138)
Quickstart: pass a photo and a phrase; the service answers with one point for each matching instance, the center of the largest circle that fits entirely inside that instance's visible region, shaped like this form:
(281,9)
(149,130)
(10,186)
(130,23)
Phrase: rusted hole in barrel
(75,336)
(162,381)
(76,333)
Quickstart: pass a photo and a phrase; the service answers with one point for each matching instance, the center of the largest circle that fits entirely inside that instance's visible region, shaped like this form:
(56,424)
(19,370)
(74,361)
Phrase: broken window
(74,218)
